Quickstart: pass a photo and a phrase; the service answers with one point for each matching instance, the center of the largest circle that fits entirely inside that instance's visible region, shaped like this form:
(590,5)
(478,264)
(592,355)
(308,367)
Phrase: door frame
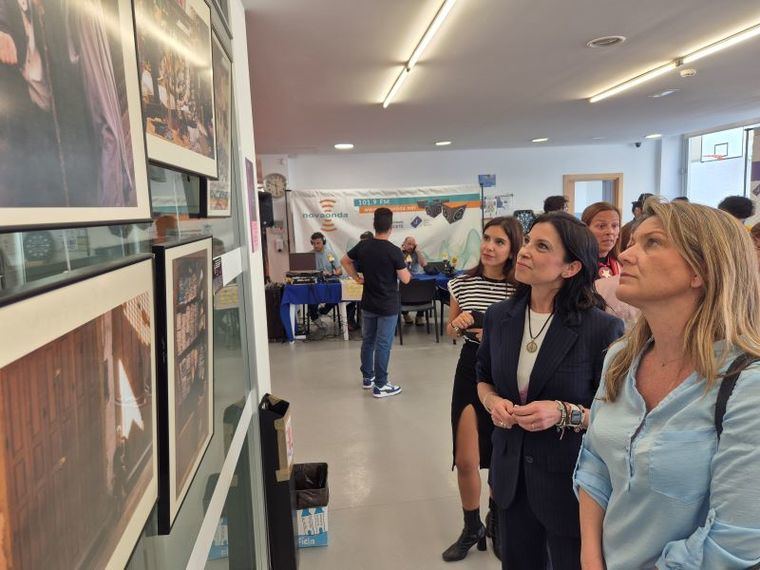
(569,180)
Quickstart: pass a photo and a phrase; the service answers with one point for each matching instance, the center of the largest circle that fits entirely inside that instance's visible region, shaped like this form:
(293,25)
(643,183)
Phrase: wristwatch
(576,416)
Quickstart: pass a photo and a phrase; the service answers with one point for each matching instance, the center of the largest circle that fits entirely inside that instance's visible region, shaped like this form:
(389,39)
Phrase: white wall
(530,173)
(671,173)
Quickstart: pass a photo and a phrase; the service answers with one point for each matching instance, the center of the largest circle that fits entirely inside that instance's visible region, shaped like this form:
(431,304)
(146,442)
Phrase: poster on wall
(72,150)
(253,198)
(445,220)
(176,83)
(78,467)
(215,194)
(184,294)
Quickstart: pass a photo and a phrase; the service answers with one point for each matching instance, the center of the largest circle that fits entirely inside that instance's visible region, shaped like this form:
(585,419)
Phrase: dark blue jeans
(377,332)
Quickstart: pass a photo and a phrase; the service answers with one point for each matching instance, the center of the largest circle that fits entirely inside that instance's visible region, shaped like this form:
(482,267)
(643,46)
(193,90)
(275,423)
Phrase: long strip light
(709,49)
(742,36)
(638,80)
(433,28)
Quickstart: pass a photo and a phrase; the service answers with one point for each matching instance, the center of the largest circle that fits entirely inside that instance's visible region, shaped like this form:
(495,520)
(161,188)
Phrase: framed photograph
(186,373)
(253,199)
(72,148)
(215,194)
(78,464)
(176,83)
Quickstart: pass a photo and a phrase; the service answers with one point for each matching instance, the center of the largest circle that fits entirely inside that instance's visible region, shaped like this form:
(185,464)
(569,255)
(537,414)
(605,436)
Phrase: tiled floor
(394,502)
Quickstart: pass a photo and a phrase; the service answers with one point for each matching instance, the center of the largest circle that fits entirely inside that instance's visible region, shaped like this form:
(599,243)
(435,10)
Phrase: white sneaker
(368,383)
(385,391)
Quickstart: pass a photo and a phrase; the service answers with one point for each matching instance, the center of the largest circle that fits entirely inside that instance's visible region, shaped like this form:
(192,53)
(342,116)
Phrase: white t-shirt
(528,359)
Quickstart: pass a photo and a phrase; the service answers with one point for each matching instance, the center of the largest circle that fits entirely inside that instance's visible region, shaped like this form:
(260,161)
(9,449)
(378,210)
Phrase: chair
(418,296)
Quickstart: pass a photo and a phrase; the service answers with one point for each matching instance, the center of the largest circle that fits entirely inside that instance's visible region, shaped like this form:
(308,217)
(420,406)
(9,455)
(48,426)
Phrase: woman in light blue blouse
(657,487)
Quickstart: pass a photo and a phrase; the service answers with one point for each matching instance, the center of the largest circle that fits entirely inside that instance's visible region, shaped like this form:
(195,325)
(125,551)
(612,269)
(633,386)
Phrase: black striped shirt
(478,293)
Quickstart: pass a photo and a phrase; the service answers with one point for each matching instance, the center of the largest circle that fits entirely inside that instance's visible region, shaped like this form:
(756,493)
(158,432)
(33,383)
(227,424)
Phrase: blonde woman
(657,486)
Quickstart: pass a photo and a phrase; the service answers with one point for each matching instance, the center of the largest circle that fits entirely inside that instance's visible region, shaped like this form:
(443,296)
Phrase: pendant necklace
(532,346)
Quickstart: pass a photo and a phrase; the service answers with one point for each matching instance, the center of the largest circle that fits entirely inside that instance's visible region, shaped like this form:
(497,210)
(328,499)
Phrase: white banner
(445,220)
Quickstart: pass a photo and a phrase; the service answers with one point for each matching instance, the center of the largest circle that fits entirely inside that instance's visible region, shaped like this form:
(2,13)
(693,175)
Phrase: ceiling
(498,74)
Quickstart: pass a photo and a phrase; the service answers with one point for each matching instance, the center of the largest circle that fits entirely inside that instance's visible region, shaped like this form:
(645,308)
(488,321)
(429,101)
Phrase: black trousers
(526,543)
(315,310)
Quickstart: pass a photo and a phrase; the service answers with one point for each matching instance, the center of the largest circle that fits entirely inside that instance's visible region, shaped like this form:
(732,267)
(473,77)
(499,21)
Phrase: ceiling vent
(606,41)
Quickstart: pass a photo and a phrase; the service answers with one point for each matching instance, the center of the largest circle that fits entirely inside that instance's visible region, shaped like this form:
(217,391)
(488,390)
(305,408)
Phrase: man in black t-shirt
(382,266)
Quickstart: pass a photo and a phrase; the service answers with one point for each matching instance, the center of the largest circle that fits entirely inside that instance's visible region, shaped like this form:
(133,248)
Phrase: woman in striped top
(491,281)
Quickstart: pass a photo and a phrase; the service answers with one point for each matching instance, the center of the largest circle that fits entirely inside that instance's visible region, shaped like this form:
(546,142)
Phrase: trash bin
(312,496)
(277,459)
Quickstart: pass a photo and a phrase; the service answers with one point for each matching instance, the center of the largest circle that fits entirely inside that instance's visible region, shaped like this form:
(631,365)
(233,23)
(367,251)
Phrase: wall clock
(275,184)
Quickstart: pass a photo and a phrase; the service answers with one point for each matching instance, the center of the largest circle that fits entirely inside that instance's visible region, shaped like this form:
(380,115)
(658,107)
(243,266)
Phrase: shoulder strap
(727,386)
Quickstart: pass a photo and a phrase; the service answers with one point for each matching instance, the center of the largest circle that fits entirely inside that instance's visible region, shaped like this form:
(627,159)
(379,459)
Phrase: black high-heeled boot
(473,533)
(492,527)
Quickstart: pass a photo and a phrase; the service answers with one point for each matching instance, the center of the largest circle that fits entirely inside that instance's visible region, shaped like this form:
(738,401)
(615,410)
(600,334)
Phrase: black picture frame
(87,374)
(185,370)
(75,151)
(216,195)
(176,84)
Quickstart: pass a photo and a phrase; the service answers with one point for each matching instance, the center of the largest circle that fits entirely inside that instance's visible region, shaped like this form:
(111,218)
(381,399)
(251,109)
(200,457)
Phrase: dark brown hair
(514,232)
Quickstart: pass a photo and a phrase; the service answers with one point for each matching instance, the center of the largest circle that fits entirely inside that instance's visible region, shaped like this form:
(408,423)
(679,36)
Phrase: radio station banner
(445,220)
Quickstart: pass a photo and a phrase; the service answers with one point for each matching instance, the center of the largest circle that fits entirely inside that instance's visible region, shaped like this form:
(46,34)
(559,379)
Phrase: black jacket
(568,368)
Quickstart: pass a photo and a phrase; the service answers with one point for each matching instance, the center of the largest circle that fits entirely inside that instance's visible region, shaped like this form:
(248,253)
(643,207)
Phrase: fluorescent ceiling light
(653,136)
(344,146)
(396,87)
(430,32)
(709,49)
(543,139)
(723,44)
(644,77)
(443,143)
(434,26)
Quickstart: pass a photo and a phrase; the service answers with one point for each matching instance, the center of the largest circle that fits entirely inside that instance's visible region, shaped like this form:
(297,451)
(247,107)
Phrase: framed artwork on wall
(79,464)
(215,194)
(176,83)
(186,373)
(253,200)
(72,148)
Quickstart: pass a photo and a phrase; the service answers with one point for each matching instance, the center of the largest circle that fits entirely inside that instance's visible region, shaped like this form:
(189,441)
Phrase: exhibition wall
(74,275)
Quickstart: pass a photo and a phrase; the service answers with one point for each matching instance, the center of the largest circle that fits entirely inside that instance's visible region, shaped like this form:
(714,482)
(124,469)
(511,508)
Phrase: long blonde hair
(719,250)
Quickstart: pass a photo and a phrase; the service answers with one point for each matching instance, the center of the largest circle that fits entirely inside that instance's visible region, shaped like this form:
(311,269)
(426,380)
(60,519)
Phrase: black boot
(474,533)
(492,527)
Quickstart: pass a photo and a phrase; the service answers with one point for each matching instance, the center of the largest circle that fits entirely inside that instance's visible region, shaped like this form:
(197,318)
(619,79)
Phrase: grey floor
(394,502)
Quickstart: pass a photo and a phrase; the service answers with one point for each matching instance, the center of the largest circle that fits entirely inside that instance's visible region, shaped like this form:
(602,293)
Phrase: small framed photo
(176,83)
(215,194)
(184,309)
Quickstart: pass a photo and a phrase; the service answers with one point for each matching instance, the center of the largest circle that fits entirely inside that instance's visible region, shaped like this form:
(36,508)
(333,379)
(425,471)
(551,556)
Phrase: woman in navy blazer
(539,366)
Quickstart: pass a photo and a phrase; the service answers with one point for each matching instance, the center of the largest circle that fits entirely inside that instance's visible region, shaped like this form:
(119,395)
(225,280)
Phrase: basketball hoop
(715,156)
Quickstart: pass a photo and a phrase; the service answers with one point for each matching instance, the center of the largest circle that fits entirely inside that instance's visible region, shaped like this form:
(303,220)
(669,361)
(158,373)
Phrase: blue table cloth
(319,293)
